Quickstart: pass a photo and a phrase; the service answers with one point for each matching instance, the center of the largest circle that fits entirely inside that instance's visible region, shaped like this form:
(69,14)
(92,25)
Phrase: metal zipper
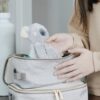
(58,93)
(43,91)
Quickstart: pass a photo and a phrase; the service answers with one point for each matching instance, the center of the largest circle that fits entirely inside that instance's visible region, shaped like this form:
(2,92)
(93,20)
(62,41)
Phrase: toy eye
(15,71)
(42,32)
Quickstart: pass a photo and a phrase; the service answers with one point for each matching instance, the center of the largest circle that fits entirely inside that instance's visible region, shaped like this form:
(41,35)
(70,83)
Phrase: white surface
(6,47)
(21,11)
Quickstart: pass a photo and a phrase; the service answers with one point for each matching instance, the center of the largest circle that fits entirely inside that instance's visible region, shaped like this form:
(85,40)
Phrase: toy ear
(24,32)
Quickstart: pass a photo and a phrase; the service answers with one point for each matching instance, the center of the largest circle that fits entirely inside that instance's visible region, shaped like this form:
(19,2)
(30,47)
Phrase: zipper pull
(60,95)
(56,95)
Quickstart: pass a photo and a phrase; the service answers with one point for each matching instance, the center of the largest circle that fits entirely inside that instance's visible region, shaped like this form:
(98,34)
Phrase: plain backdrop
(54,14)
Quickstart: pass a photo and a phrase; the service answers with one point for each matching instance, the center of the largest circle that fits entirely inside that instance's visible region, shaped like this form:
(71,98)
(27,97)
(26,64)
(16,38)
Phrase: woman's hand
(61,42)
(78,67)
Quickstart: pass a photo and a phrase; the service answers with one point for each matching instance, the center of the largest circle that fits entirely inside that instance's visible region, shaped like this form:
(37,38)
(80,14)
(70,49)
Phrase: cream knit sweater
(90,40)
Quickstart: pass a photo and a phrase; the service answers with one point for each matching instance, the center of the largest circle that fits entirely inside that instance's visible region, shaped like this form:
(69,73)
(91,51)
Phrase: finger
(65,64)
(54,44)
(69,75)
(52,38)
(76,50)
(66,70)
(78,77)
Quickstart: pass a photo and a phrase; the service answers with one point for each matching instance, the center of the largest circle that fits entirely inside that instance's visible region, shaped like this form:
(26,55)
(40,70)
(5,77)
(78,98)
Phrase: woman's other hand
(78,67)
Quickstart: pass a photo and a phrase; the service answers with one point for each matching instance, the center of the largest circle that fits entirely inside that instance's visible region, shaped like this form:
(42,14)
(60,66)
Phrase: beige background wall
(54,14)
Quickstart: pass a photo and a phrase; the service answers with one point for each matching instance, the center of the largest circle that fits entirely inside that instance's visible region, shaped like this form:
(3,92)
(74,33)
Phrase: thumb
(76,51)
(52,38)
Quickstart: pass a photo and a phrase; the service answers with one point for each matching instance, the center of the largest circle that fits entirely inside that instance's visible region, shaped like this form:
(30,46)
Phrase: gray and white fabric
(33,42)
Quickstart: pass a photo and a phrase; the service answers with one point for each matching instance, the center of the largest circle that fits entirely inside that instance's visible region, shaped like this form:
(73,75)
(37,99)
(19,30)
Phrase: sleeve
(96,59)
(79,36)
(79,39)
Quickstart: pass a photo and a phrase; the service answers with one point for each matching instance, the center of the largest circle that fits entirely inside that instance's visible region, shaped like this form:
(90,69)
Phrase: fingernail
(69,80)
(59,77)
(55,67)
(48,41)
(69,50)
(55,74)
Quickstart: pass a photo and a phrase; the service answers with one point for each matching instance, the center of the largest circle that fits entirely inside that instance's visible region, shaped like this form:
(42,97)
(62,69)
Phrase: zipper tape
(39,90)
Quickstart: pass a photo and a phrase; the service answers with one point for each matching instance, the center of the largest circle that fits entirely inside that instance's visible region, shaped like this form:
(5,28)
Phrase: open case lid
(8,74)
